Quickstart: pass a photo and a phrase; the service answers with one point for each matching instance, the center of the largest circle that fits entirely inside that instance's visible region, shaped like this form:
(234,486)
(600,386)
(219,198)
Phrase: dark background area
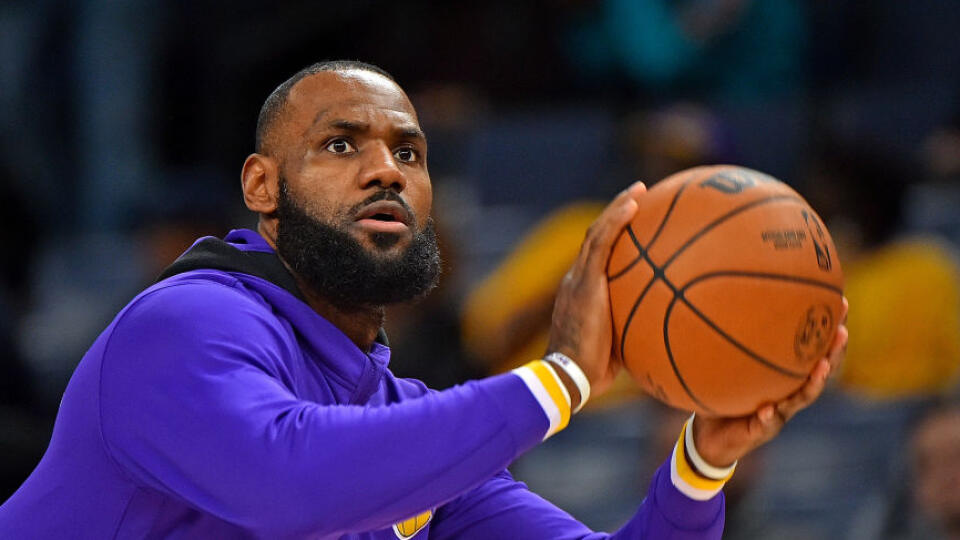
(125,125)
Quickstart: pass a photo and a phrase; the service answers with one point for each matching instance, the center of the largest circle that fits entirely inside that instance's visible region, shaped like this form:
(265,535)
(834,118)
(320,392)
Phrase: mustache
(383,195)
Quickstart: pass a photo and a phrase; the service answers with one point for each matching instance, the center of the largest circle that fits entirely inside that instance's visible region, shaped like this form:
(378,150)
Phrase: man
(247,393)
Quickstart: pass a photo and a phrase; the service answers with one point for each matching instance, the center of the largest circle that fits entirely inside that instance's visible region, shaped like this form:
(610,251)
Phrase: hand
(721,441)
(581,326)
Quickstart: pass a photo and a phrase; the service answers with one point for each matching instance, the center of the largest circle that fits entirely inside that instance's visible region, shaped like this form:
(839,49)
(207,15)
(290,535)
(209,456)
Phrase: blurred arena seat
(826,463)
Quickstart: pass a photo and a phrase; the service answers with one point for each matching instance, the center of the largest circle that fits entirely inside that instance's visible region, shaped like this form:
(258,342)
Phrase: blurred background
(125,123)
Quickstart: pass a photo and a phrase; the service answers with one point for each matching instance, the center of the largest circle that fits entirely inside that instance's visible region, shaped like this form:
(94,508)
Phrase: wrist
(571,387)
(573,377)
(701,482)
(704,465)
(711,444)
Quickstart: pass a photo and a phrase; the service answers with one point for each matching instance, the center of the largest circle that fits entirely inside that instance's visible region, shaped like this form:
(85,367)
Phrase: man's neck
(361,325)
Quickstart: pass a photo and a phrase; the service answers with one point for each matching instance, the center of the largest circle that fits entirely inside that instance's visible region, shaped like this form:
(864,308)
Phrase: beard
(338,268)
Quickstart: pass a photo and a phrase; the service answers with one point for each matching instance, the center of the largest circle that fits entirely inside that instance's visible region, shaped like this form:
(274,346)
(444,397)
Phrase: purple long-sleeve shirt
(219,405)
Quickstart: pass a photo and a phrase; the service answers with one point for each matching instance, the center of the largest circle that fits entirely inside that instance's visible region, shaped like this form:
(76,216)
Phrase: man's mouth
(384,216)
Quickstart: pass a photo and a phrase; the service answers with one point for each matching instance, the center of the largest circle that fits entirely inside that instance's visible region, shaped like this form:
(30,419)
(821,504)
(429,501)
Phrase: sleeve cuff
(549,391)
(686,478)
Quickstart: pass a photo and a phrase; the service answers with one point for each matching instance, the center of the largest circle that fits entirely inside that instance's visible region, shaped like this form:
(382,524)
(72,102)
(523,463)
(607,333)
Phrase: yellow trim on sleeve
(687,472)
(551,383)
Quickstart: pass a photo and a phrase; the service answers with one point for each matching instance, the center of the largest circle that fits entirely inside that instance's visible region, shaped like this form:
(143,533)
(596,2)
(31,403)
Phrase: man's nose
(380,169)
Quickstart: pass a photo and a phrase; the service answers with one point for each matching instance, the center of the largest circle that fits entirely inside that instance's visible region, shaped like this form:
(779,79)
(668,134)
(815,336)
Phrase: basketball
(725,291)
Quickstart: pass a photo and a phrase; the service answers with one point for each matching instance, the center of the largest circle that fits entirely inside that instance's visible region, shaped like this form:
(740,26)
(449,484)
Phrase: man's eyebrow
(403,132)
(411,133)
(347,125)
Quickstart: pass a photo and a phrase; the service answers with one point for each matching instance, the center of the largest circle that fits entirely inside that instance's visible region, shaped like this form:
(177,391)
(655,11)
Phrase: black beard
(337,267)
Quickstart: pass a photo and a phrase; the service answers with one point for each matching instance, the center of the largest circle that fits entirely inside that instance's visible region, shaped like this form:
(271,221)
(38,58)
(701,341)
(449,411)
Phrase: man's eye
(406,155)
(340,146)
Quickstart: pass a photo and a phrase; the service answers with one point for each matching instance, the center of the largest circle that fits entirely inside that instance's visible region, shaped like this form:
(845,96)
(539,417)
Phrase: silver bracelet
(575,373)
(701,465)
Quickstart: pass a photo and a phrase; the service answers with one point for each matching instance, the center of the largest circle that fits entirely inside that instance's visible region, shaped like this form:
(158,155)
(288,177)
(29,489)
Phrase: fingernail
(766,414)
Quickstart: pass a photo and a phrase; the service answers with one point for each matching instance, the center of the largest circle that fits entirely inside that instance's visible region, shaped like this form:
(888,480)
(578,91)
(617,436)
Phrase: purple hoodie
(217,404)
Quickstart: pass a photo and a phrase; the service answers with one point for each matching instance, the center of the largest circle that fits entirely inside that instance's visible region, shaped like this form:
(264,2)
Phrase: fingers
(605,230)
(770,418)
(816,382)
(839,348)
(767,422)
(807,394)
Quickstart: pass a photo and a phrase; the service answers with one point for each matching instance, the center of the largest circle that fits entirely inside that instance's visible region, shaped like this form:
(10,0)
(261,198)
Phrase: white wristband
(702,467)
(576,374)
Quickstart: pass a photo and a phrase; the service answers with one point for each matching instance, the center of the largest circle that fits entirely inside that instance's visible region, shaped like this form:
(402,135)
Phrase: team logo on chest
(408,528)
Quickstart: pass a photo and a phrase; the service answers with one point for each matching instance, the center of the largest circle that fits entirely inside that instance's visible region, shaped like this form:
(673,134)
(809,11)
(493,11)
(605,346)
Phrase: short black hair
(277,100)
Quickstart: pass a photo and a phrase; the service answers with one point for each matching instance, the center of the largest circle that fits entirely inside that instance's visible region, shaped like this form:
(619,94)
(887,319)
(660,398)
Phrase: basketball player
(247,394)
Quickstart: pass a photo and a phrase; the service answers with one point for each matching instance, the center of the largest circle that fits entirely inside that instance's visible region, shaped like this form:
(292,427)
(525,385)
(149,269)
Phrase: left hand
(721,441)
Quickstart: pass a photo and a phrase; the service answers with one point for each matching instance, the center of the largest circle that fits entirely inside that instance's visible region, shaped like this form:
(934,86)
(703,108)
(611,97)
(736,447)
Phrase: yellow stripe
(423,518)
(410,527)
(689,475)
(549,381)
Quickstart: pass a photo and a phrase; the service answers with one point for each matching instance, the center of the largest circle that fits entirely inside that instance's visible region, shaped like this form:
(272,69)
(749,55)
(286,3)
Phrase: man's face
(346,136)
(354,193)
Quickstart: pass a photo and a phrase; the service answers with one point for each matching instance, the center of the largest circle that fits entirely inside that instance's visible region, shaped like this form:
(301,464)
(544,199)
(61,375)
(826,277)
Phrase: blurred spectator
(717,50)
(941,153)
(506,318)
(925,505)
(507,315)
(678,136)
(935,464)
(933,204)
(904,291)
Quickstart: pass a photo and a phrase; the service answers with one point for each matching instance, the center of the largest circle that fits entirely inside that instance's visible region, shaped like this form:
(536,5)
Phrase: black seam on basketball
(658,272)
(763,275)
(626,325)
(663,222)
(625,269)
(634,261)
(666,216)
(743,348)
(673,364)
(747,206)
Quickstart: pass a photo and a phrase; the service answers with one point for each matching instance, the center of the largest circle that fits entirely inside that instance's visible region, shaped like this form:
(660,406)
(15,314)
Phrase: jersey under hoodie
(218,404)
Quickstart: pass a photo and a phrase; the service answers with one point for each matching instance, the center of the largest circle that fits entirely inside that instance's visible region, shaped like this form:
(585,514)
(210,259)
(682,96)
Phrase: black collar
(215,254)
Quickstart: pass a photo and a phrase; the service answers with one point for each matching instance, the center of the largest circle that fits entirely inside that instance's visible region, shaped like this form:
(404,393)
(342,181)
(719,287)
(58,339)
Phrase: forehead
(348,95)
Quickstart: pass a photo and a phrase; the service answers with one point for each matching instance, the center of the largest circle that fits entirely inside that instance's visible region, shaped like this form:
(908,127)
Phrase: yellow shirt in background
(517,298)
(904,321)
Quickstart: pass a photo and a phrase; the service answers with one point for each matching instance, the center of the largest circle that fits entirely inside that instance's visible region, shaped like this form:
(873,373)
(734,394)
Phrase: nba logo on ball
(725,290)
(812,334)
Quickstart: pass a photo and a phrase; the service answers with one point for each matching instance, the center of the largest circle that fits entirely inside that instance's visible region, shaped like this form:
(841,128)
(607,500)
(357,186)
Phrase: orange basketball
(725,290)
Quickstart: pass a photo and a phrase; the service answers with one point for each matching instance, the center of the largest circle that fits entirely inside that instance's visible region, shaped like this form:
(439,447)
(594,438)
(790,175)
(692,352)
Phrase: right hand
(581,327)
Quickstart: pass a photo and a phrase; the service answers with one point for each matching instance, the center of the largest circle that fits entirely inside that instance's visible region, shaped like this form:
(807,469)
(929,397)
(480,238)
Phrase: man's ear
(260,179)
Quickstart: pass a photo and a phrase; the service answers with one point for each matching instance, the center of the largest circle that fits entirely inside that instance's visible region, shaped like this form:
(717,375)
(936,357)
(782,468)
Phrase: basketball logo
(819,242)
(812,333)
(408,528)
